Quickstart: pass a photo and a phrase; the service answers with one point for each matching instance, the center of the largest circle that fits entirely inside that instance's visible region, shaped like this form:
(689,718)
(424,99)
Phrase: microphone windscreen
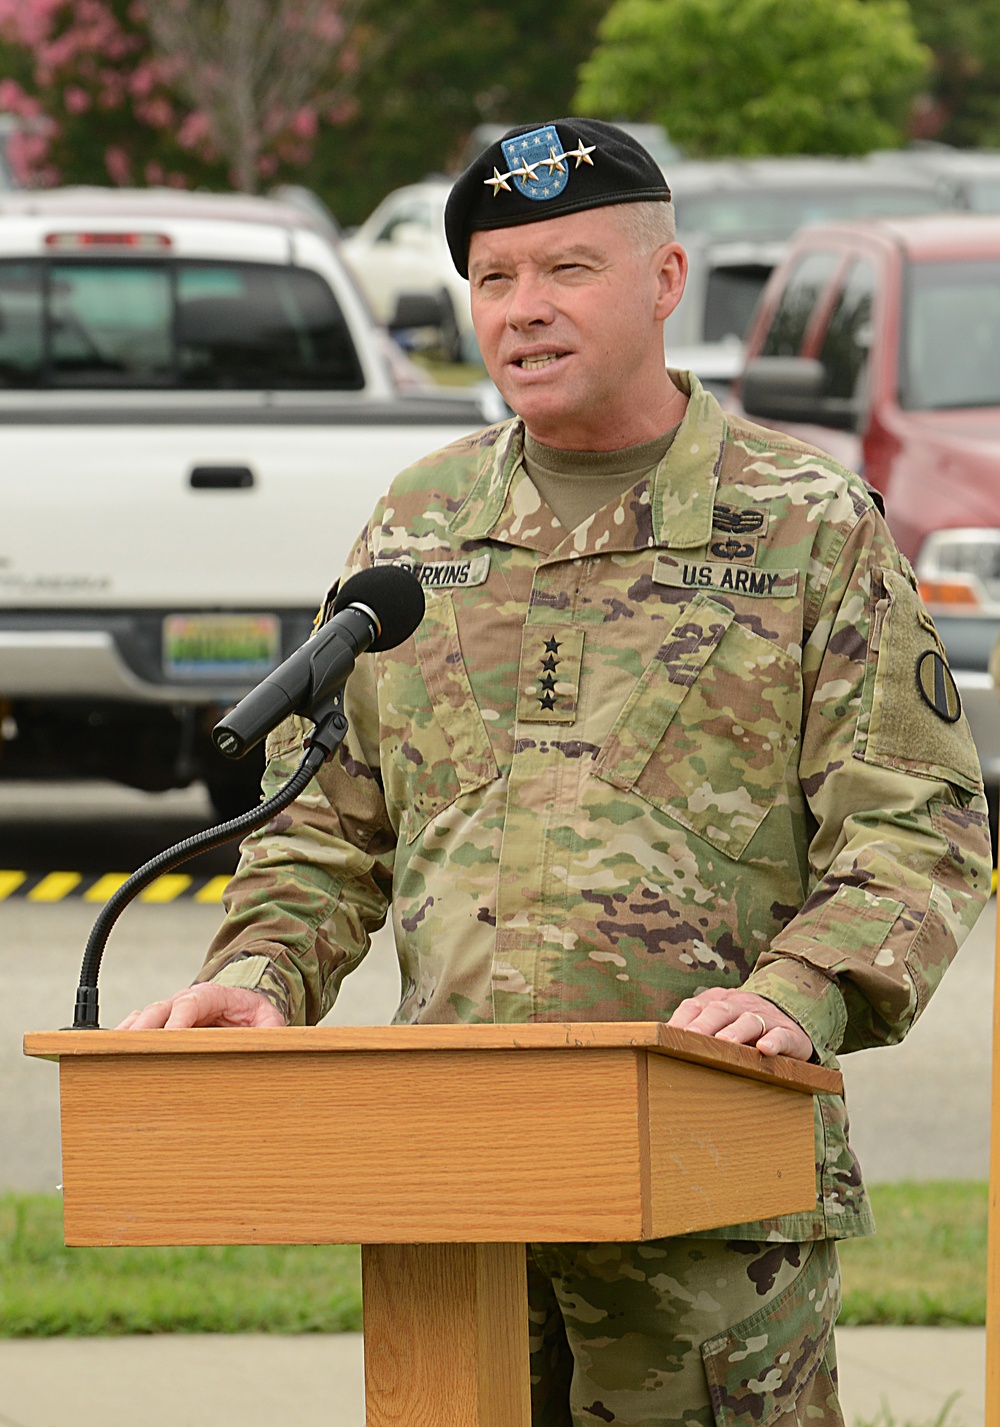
(395,597)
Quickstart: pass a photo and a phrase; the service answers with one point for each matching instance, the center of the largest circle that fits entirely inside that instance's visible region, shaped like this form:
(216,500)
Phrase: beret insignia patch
(937,686)
(537,163)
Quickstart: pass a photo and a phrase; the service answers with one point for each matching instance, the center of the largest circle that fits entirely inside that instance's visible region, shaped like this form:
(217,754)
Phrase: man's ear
(670,267)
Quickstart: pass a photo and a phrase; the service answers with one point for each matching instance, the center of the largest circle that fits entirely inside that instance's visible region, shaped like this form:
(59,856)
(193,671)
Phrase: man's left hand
(745,1019)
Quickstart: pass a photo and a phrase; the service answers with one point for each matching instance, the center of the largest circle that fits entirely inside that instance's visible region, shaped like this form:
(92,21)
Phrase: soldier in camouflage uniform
(694,755)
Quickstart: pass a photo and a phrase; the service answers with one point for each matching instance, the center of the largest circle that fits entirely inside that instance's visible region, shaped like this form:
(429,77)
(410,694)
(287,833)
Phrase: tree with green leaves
(759,76)
(962,104)
(432,71)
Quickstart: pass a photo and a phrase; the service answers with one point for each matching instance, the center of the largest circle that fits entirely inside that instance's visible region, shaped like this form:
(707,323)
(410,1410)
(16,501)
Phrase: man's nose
(528,305)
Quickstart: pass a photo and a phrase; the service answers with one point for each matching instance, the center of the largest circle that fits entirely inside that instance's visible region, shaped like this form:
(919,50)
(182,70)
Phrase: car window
(846,343)
(22,321)
(187,324)
(731,297)
(983,196)
(761,213)
(950,348)
(808,281)
(111,320)
(412,212)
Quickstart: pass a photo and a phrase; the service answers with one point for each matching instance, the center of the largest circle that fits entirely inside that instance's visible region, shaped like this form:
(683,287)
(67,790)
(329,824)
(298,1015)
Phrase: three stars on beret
(554,163)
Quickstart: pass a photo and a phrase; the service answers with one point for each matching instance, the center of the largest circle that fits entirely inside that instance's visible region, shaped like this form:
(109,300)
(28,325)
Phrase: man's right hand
(205,1004)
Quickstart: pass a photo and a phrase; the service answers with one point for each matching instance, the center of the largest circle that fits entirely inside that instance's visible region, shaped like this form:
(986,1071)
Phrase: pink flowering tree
(257,75)
(173,92)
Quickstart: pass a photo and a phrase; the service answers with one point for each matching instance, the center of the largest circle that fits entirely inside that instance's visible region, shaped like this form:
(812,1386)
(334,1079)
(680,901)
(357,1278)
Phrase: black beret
(544,171)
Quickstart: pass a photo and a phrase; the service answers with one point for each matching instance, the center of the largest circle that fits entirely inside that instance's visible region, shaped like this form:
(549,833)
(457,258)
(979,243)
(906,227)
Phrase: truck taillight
(958,570)
(140,242)
(957,592)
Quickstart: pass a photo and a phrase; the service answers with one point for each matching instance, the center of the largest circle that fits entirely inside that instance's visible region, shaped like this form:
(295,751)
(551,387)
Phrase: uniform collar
(674,511)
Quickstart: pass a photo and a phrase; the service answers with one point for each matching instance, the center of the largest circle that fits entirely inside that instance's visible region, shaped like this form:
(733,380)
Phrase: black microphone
(376,609)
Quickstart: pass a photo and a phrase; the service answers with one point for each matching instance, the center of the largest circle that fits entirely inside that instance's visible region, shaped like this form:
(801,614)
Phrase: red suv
(879,341)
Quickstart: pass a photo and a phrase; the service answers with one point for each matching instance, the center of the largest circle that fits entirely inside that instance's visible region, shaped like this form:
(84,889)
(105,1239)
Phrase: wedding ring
(763,1023)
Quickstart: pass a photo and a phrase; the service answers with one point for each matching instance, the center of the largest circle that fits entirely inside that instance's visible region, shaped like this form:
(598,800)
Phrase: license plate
(213,646)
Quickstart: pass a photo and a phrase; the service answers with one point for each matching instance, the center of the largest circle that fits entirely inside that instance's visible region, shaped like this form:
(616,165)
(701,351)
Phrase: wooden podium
(442,1150)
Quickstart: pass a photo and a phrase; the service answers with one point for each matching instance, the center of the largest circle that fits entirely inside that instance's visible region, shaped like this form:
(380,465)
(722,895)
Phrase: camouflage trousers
(683,1333)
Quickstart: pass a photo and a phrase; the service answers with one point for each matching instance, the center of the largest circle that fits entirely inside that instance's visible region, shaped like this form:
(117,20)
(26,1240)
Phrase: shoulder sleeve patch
(911,713)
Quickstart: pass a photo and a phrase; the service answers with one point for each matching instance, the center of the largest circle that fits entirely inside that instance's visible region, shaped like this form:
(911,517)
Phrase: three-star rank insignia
(550,674)
(937,686)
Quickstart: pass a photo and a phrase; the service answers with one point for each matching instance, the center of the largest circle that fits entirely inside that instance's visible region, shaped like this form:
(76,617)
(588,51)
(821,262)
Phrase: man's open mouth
(542,359)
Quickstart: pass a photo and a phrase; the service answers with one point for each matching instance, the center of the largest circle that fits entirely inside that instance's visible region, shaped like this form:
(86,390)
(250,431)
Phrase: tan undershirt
(576,484)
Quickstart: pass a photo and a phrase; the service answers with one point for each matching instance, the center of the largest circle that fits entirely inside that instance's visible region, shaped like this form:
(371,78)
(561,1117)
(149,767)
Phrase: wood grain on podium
(736,1138)
(446,1335)
(441,1149)
(474,1134)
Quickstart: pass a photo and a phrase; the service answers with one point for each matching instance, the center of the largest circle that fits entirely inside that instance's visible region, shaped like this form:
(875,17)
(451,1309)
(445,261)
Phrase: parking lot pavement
(921,1110)
(153,950)
(317,1380)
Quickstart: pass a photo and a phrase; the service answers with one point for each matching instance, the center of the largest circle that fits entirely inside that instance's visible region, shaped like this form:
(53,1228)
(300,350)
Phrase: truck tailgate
(108,517)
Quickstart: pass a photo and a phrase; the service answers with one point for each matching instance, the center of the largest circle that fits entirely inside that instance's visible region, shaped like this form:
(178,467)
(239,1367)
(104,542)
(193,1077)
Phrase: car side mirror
(794,389)
(417,309)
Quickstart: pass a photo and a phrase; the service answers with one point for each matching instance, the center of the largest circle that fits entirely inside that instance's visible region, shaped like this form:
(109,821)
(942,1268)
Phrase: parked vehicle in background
(880,343)
(197,416)
(10,126)
(971,175)
(296,195)
(400,258)
(736,217)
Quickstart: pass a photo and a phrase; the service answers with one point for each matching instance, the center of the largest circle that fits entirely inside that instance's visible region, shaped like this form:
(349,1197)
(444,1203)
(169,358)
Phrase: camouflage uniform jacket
(682,746)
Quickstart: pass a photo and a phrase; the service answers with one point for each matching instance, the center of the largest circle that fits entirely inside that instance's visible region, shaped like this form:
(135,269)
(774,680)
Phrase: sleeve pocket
(851,927)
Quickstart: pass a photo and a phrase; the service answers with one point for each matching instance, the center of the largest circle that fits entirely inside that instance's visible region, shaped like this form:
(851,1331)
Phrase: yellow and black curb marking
(49,887)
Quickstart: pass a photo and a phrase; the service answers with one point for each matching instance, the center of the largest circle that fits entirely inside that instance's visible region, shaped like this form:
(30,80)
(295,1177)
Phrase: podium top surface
(652,1036)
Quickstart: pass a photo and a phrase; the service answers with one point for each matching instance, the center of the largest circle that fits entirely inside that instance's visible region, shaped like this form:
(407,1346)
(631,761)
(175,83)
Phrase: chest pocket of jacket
(442,748)
(707,732)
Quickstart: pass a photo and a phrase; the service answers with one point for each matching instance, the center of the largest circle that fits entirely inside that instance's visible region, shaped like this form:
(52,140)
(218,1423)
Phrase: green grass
(47,1289)
(927,1265)
(885,1418)
(449,373)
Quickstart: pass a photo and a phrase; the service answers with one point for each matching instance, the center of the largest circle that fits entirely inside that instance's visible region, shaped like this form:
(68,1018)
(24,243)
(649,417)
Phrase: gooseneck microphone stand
(326,737)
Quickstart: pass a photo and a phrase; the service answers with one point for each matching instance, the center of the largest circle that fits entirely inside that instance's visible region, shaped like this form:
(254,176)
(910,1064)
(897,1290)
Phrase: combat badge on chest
(735,532)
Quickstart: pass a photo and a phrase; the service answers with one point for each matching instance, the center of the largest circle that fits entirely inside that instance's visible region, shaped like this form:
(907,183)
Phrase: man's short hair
(648,225)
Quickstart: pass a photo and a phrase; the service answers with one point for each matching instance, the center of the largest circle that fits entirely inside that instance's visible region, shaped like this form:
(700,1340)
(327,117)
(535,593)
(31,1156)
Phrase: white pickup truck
(197,415)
